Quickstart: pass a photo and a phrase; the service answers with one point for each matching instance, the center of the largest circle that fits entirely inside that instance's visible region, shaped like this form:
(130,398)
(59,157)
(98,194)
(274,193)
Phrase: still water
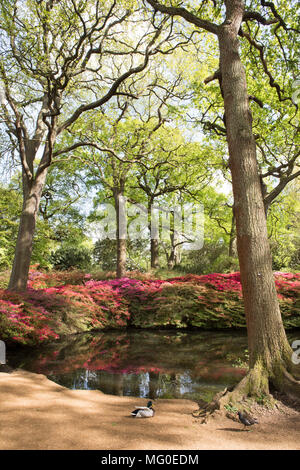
(142,363)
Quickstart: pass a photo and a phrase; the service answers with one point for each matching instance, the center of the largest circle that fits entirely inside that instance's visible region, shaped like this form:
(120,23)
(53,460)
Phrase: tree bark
(269,350)
(171,258)
(154,253)
(120,233)
(33,184)
(121,257)
(154,234)
(268,346)
(32,192)
(232,251)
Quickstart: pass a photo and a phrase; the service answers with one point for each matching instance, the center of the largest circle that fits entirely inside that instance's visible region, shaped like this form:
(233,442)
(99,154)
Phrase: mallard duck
(144,411)
(246,419)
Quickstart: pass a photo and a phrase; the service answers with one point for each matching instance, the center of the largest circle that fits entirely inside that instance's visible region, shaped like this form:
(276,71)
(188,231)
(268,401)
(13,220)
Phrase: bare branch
(260,49)
(190,17)
(113,89)
(277,190)
(215,76)
(253,15)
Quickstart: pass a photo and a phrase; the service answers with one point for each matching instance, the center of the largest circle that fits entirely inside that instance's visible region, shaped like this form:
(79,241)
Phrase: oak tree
(269,350)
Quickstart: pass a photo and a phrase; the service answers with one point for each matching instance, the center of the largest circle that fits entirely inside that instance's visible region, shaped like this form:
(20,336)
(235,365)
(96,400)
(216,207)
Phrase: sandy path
(36,413)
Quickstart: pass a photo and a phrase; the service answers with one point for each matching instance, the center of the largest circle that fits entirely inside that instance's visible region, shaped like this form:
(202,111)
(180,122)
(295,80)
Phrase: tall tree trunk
(154,253)
(171,258)
(177,255)
(120,233)
(269,350)
(31,200)
(33,184)
(121,257)
(154,234)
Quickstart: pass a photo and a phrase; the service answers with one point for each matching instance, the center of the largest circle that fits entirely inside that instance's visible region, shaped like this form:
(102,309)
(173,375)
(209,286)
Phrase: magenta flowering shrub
(22,322)
(288,291)
(182,304)
(48,310)
(207,301)
(221,282)
(43,314)
(42,279)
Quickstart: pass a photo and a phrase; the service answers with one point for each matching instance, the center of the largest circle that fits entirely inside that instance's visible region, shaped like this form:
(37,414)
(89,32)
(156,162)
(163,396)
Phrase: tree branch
(277,190)
(190,17)
(214,76)
(113,89)
(253,15)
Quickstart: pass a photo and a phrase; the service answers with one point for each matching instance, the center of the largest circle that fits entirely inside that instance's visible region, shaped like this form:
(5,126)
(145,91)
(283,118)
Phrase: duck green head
(149,404)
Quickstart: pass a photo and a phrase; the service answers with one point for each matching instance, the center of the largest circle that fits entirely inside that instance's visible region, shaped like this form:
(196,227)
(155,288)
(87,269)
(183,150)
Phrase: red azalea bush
(42,314)
(188,301)
(207,301)
(48,310)
(41,279)
(22,322)
(221,282)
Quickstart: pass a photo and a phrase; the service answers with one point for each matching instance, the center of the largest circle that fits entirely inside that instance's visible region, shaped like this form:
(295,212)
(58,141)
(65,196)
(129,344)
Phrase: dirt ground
(36,413)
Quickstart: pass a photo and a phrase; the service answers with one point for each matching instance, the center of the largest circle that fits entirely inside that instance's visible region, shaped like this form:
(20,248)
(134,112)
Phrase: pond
(142,363)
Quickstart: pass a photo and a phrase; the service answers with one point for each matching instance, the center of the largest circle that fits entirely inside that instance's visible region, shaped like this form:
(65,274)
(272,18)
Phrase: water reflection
(168,364)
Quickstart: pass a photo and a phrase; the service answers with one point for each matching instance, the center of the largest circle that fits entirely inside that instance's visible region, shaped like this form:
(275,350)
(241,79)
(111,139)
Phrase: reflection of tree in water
(169,364)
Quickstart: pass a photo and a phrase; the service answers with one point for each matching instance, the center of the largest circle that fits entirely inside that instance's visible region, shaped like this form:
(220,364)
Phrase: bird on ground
(144,411)
(246,419)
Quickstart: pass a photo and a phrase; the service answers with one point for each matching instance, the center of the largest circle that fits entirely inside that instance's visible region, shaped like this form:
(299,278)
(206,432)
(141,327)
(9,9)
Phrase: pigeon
(246,419)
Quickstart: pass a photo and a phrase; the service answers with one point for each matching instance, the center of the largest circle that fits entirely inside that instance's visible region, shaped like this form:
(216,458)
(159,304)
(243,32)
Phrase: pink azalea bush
(207,301)
(220,282)
(22,322)
(58,304)
(39,315)
(41,279)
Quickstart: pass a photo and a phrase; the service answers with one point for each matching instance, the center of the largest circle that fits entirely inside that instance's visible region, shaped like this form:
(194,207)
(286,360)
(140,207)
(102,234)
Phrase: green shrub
(68,257)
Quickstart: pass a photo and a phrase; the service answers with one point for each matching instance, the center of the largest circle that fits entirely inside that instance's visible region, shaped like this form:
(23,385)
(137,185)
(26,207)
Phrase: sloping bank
(212,301)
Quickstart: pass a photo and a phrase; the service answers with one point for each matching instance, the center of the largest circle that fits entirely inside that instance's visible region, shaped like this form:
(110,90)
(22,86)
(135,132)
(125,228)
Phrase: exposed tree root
(289,385)
(253,389)
(207,409)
